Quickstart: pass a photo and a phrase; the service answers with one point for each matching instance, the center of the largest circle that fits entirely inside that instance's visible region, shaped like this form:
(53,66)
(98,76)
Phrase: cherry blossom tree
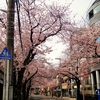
(87,46)
(84,53)
(35,22)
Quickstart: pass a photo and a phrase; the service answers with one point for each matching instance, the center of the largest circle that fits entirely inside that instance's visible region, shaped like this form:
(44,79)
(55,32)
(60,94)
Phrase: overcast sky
(79,7)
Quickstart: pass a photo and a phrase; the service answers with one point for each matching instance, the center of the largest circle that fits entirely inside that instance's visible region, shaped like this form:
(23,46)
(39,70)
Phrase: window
(91,14)
(89,88)
(93,11)
(86,81)
(96,9)
(88,17)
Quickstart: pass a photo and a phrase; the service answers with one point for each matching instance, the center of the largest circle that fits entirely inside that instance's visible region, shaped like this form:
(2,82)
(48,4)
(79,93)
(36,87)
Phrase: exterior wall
(95,81)
(94,17)
(94,68)
(66,86)
(86,90)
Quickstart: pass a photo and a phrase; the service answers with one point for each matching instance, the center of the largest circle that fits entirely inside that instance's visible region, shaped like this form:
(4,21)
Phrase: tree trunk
(28,89)
(18,95)
(20,90)
(24,91)
(78,88)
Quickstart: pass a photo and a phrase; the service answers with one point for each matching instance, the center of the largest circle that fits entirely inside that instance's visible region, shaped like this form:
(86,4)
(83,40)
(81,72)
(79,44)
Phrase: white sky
(2,4)
(78,7)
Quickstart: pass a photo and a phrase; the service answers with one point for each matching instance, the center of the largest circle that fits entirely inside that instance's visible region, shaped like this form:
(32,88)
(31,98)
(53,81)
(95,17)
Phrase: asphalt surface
(41,97)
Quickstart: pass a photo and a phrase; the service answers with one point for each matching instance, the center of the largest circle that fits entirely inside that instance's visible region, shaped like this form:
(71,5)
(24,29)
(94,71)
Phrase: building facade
(93,17)
(93,13)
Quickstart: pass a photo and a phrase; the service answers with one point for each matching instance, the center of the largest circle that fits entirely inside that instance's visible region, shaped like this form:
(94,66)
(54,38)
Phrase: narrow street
(41,97)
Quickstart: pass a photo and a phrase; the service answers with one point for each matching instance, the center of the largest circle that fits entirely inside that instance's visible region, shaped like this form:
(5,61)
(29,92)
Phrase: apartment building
(93,17)
(93,13)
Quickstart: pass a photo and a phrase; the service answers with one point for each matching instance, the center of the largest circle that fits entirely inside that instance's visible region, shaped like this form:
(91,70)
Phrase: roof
(95,1)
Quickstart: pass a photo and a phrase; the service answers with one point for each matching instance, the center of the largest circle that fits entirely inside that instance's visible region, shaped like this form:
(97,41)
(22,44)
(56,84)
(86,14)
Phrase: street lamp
(59,79)
(59,60)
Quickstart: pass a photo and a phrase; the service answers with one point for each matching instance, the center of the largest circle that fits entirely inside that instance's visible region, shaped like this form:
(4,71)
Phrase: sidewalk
(63,98)
(68,98)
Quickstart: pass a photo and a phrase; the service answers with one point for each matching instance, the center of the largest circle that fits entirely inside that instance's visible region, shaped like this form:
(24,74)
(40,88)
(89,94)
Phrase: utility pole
(60,83)
(10,46)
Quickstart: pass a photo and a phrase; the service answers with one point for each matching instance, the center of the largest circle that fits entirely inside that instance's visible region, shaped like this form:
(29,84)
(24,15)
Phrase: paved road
(40,97)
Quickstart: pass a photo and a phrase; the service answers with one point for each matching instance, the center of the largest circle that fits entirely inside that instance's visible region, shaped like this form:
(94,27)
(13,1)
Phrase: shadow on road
(41,97)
